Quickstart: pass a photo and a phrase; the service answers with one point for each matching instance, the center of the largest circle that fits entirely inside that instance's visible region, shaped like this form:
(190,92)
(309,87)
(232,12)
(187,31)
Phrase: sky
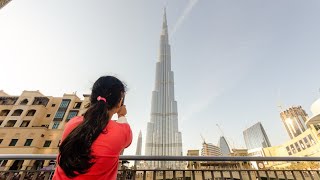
(235,62)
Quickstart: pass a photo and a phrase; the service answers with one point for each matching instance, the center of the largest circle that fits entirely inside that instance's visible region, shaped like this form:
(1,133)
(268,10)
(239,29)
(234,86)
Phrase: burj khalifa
(163,136)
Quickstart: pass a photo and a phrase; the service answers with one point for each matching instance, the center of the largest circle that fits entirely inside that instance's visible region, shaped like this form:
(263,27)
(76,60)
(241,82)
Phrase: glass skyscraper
(256,137)
(223,145)
(294,120)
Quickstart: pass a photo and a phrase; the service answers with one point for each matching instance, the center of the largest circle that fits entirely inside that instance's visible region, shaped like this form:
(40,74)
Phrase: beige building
(304,144)
(209,149)
(33,123)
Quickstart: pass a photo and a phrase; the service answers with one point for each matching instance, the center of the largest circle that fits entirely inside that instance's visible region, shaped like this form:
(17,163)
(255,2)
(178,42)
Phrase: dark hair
(75,150)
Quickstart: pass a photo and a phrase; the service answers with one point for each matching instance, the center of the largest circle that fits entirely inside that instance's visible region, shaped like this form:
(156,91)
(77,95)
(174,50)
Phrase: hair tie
(99,98)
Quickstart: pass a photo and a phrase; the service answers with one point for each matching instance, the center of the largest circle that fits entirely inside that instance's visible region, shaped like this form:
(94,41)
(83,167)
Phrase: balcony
(209,169)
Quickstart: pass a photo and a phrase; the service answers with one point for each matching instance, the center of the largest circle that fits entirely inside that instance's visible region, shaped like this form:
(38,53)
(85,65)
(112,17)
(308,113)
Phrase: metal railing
(212,168)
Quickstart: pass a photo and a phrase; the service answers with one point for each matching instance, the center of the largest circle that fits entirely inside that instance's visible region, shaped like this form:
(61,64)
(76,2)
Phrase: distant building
(139,147)
(256,137)
(306,144)
(209,149)
(191,164)
(239,152)
(33,123)
(294,120)
(224,147)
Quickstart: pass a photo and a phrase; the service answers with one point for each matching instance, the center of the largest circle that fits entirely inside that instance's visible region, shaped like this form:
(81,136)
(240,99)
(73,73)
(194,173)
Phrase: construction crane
(3,3)
(222,134)
(204,141)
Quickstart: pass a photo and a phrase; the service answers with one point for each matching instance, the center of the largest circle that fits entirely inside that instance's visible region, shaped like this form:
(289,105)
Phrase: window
(311,139)
(77,105)
(302,145)
(28,142)
(53,105)
(4,112)
(59,115)
(10,123)
(1,141)
(55,125)
(297,146)
(47,144)
(31,112)
(293,149)
(13,142)
(65,103)
(288,150)
(306,142)
(24,102)
(317,126)
(40,101)
(17,112)
(48,115)
(25,124)
(72,114)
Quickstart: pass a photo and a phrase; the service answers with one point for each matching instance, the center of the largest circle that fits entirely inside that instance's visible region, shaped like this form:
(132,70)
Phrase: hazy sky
(234,61)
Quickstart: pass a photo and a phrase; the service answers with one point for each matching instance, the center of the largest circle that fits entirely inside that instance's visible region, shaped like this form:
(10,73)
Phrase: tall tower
(294,119)
(163,136)
(139,147)
(223,145)
(256,137)
(139,144)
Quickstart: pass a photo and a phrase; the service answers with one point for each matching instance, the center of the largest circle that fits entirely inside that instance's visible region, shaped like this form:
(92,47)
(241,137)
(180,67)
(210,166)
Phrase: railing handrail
(165,158)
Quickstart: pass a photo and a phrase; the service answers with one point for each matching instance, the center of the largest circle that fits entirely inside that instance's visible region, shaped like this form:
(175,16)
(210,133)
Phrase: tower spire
(164,22)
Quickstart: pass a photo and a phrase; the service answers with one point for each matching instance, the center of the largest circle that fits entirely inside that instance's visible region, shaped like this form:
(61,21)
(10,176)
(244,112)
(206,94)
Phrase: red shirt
(106,149)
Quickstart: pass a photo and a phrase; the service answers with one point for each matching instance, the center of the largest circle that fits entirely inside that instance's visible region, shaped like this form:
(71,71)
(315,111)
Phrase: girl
(91,144)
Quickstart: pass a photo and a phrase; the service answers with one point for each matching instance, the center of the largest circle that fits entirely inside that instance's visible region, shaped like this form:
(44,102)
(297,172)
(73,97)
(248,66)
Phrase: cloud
(184,14)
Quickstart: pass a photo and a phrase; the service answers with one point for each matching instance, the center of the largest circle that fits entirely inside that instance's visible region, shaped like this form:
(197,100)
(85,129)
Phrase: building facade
(294,120)
(224,146)
(163,137)
(33,123)
(256,137)
(209,149)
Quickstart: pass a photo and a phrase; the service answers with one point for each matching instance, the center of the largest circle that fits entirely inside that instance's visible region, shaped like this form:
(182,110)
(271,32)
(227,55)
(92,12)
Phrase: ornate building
(33,123)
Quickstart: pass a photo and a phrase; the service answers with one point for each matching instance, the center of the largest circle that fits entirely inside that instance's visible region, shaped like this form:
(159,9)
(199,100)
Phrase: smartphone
(122,101)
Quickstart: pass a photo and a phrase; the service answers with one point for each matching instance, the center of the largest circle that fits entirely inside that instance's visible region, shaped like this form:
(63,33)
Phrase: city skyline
(234,62)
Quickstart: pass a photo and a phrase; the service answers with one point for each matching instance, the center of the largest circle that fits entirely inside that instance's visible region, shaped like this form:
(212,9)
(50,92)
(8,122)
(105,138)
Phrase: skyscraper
(139,144)
(139,147)
(256,137)
(294,119)
(209,149)
(163,136)
(223,145)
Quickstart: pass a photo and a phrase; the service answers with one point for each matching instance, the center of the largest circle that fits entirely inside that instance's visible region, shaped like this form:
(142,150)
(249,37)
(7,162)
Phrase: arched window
(31,112)
(24,102)
(17,112)
(4,112)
